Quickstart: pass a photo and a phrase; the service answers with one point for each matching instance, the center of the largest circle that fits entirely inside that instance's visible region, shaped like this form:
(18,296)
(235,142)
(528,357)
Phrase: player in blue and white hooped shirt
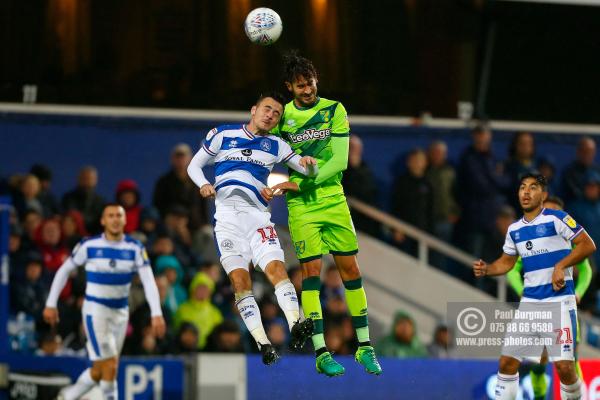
(544,239)
(244,155)
(110,261)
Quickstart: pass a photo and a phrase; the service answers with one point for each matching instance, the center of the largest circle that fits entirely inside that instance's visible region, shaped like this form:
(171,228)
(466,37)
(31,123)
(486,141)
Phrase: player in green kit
(319,218)
(584,278)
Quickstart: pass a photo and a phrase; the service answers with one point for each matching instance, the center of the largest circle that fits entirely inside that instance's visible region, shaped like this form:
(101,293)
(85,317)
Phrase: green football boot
(328,366)
(365,356)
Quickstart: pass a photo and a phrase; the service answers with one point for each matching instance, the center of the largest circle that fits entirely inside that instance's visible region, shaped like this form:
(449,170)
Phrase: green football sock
(538,381)
(311,305)
(357,305)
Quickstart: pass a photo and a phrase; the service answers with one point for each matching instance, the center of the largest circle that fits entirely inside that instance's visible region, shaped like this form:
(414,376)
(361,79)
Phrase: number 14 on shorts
(267,233)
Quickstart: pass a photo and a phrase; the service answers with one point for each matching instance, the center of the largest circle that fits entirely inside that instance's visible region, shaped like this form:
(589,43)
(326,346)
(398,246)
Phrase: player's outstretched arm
(499,267)
(306,165)
(153,298)
(50,313)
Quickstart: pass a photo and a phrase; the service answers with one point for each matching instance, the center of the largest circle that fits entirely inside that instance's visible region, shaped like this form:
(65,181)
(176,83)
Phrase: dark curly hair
(295,65)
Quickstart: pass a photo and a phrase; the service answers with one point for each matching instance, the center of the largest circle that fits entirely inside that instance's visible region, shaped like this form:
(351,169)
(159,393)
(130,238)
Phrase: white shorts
(563,338)
(105,333)
(244,235)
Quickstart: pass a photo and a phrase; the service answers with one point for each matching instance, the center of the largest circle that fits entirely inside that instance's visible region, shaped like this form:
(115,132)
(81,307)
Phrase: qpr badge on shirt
(265,144)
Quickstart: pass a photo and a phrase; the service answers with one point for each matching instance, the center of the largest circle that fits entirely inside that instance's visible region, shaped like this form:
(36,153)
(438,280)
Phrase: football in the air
(263,26)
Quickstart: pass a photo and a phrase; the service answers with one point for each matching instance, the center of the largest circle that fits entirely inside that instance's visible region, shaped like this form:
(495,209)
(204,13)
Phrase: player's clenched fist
(480,268)
(50,316)
(207,191)
(558,278)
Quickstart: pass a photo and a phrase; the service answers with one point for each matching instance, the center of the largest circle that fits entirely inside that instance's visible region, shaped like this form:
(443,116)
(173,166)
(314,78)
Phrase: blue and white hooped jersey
(109,268)
(243,161)
(542,243)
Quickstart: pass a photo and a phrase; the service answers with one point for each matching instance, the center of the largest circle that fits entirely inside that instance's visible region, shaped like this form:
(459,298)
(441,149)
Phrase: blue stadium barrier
(139,378)
(294,377)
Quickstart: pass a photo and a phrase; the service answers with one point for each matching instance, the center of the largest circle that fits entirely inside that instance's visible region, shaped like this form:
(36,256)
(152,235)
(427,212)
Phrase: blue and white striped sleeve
(509,245)
(567,227)
(141,257)
(212,143)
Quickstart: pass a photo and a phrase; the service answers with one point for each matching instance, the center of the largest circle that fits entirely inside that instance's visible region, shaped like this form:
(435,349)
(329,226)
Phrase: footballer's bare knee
(348,267)
(508,365)
(108,368)
(240,280)
(275,272)
(311,268)
(566,371)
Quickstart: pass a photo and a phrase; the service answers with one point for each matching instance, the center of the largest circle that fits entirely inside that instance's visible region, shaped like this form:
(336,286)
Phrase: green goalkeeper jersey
(321,131)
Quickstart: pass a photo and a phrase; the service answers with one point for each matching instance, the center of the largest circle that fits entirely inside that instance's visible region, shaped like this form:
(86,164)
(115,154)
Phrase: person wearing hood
(199,310)
(128,196)
(402,342)
(171,268)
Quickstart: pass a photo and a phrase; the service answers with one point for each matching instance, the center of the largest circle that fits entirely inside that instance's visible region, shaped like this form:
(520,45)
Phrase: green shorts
(322,227)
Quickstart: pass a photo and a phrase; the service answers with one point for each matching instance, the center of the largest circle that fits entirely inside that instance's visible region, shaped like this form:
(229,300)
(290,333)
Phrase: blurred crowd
(470,204)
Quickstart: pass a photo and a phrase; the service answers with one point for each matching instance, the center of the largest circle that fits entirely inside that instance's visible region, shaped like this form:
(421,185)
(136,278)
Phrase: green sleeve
(514,277)
(338,161)
(584,278)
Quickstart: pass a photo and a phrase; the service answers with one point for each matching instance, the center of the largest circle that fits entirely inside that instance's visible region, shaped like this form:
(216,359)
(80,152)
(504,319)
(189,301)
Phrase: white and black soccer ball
(263,26)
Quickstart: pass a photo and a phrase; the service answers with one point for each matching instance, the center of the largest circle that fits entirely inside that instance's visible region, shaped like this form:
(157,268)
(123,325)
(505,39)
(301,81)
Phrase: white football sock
(507,386)
(570,392)
(109,390)
(83,385)
(250,314)
(288,301)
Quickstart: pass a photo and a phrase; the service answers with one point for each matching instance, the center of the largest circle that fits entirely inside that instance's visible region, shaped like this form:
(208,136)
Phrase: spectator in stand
(226,338)
(176,188)
(198,309)
(480,187)
(31,225)
(412,199)
(441,346)
(73,228)
(149,224)
(46,197)
(128,196)
(359,182)
(85,199)
(48,239)
(17,256)
(54,252)
(170,268)
(442,179)
(492,248)
(176,226)
(402,342)
(26,196)
(574,175)
(163,246)
(187,339)
(141,316)
(546,167)
(28,294)
(521,160)
(586,210)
